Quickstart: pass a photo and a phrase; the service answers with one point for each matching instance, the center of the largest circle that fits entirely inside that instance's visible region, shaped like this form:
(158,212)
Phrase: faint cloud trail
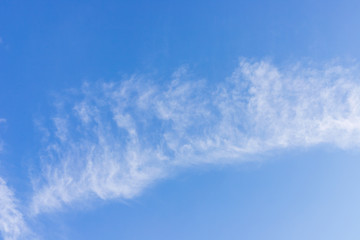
(12,223)
(111,140)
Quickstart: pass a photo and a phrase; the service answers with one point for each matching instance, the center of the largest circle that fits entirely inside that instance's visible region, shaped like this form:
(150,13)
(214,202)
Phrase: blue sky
(179,119)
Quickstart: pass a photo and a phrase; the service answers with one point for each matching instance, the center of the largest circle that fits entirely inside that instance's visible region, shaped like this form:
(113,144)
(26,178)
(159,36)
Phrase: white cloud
(111,140)
(12,224)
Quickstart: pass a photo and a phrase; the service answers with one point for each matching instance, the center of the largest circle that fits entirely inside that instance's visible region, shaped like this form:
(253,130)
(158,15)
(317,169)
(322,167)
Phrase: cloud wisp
(112,140)
(12,223)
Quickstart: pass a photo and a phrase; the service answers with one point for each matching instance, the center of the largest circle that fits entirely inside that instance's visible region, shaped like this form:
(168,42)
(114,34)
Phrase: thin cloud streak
(12,224)
(112,140)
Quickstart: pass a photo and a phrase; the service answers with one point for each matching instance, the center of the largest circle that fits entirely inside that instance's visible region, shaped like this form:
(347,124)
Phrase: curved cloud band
(111,140)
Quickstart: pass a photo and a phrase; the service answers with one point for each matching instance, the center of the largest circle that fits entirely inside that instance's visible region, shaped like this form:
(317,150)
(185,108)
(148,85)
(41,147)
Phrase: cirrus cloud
(111,140)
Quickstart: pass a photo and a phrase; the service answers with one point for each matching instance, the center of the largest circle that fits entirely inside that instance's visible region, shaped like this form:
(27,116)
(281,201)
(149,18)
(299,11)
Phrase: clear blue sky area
(135,119)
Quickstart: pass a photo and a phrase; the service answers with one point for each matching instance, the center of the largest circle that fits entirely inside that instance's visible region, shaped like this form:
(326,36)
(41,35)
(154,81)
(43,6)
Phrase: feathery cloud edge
(12,223)
(112,140)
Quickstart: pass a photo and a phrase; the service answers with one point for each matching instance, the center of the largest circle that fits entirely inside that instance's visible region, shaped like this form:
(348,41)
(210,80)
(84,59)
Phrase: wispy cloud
(12,224)
(112,140)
